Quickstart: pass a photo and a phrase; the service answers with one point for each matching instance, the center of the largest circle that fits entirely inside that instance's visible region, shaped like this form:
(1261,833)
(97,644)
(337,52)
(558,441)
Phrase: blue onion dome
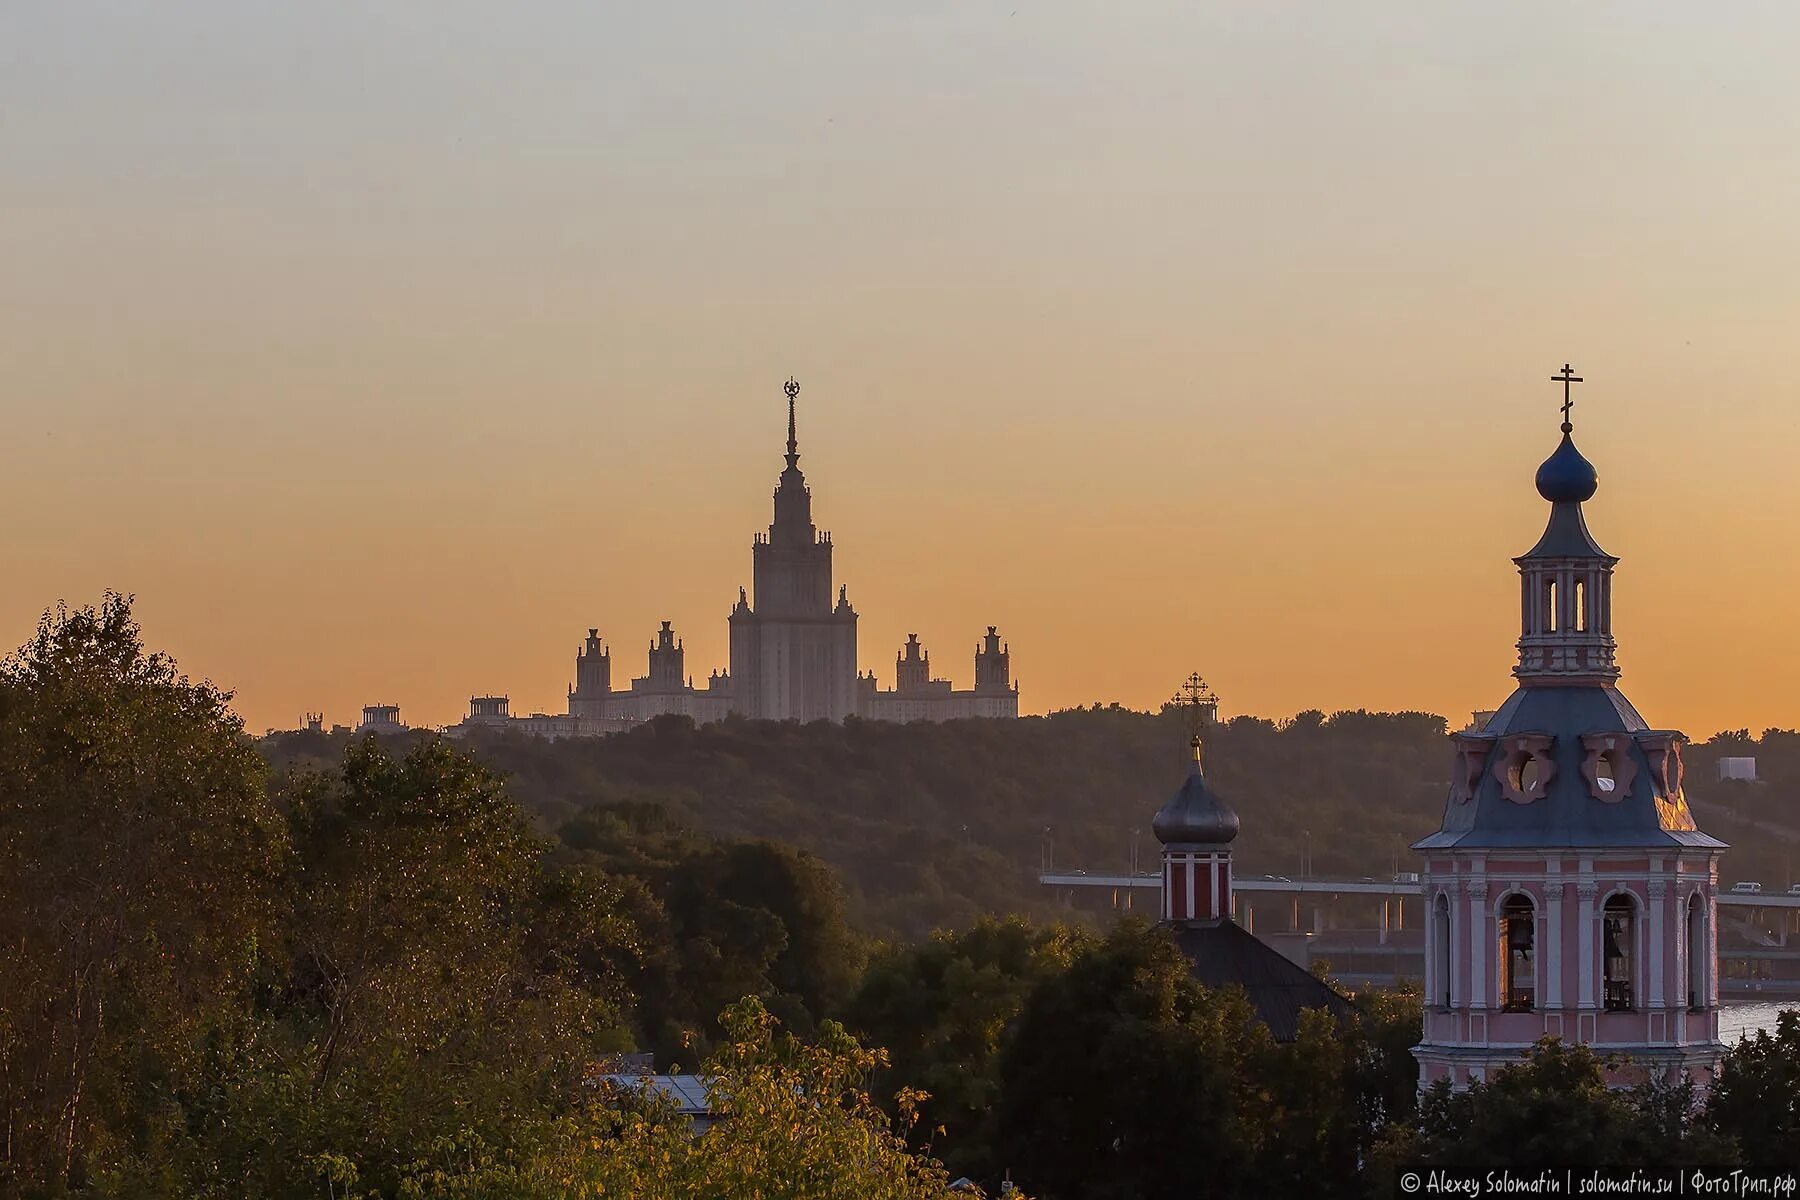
(1566,475)
(1196,813)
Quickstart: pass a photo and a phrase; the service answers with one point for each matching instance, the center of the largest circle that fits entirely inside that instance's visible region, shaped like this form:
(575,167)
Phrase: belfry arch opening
(1618,942)
(1518,954)
(1698,960)
(1440,934)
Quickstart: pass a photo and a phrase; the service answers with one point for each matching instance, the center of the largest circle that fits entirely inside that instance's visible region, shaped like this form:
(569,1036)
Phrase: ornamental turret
(1565,581)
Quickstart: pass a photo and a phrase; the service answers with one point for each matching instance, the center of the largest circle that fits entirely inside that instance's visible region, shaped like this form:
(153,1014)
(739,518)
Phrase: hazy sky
(381,349)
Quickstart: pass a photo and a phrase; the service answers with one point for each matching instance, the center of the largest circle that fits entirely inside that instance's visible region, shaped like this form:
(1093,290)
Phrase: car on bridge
(1747,888)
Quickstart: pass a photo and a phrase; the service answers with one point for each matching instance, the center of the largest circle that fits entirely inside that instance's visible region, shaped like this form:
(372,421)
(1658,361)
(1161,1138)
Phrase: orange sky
(382,353)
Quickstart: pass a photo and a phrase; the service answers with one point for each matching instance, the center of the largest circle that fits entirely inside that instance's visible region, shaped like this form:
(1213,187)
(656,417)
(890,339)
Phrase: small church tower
(1196,828)
(1568,893)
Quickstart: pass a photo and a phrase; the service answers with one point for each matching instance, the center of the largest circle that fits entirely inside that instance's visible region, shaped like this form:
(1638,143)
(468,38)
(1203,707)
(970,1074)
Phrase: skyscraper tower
(793,652)
(1568,892)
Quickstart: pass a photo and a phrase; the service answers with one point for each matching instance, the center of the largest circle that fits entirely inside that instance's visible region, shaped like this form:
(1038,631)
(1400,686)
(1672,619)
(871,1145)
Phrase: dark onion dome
(1196,813)
(1566,475)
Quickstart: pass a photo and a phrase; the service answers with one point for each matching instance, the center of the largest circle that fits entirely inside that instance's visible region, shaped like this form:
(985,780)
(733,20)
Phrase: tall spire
(1566,579)
(793,451)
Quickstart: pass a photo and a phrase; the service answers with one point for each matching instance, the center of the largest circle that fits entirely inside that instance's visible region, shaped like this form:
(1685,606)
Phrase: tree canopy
(372,972)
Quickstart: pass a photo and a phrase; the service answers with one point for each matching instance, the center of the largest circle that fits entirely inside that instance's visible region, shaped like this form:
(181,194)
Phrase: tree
(1119,1061)
(138,861)
(720,919)
(1556,1108)
(793,1121)
(445,973)
(943,1009)
(1756,1096)
(1383,1075)
(416,875)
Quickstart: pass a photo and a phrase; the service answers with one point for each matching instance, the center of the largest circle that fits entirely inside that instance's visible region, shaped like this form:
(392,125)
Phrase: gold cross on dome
(1196,702)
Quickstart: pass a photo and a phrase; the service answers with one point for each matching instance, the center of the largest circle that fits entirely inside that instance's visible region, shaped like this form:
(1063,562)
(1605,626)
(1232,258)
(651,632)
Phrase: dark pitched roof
(1567,816)
(1221,953)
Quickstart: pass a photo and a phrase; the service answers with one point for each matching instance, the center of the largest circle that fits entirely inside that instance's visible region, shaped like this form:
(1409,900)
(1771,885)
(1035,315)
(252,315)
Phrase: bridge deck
(1340,887)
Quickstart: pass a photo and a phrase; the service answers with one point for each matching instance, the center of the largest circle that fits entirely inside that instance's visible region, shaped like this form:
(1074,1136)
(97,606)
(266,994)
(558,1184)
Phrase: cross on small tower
(1567,378)
(1198,704)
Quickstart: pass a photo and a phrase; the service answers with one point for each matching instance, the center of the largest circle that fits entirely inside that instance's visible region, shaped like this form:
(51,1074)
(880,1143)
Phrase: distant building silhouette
(916,696)
(381,718)
(793,646)
(793,652)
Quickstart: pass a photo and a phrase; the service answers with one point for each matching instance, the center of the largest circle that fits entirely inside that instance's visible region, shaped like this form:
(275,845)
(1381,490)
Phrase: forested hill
(931,825)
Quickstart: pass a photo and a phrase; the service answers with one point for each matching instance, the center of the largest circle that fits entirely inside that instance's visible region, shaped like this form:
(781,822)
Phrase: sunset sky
(383,349)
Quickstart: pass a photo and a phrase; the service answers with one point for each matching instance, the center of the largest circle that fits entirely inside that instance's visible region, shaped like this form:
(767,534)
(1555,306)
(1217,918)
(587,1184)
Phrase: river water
(1736,1020)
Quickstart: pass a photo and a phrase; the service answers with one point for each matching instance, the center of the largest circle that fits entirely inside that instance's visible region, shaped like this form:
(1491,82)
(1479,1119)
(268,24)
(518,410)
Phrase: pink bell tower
(1568,892)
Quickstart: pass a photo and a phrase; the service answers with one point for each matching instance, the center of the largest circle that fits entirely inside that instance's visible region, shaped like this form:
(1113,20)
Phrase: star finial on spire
(792,388)
(1567,378)
(1198,705)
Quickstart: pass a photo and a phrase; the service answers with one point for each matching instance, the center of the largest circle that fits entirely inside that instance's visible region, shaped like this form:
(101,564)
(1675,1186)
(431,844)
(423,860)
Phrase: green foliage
(1382,1073)
(943,1009)
(719,920)
(1556,1108)
(794,1121)
(1756,1097)
(1757,818)
(1124,1056)
(373,978)
(139,859)
(933,826)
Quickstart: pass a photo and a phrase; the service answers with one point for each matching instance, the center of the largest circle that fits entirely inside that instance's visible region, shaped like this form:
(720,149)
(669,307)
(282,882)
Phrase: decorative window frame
(1472,750)
(1519,751)
(1615,750)
(1662,747)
